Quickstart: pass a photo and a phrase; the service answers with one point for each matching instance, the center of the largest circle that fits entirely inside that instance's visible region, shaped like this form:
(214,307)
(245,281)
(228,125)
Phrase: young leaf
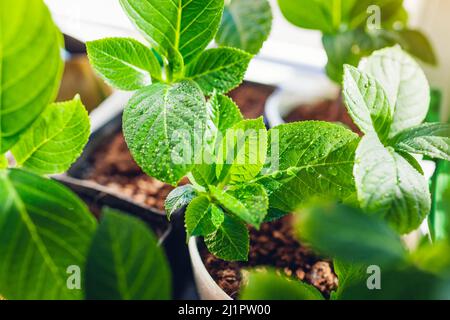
(159,122)
(430,139)
(405,84)
(245,25)
(55,140)
(124,63)
(125,262)
(30,66)
(173,26)
(268,285)
(349,234)
(367,102)
(44,229)
(223,114)
(179,198)
(315,159)
(231,240)
(220,69)
(243,151)
(439,221)
(348,274)
(389,186)
(248,202)
(202,217)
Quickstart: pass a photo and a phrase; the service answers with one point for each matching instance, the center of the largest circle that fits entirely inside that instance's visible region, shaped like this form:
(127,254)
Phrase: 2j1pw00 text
(227,310)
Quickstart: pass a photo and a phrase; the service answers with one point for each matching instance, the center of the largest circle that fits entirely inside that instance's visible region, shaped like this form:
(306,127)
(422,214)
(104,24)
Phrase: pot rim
(199,266)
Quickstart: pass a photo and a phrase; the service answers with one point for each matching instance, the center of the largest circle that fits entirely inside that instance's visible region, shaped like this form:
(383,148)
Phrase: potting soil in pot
(326,110)
(275,246)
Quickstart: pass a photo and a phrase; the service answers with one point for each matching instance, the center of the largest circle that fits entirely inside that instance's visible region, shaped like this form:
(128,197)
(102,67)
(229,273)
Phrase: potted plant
(47,233)
(107,166)
(350,31)
(378,173)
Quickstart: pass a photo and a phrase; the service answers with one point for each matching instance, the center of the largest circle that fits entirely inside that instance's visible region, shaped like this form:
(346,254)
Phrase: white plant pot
(305,88)
(206,286)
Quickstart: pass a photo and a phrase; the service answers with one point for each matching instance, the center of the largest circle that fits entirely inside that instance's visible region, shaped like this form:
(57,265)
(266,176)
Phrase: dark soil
(327,110)
(251,98)
(274,245)
(114,167)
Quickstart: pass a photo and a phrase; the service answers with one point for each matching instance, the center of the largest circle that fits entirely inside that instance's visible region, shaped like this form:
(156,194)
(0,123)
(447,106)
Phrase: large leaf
(44,230)
(245,25)
(243,151)
(161,121)
(179,198)
(439,221)
(231,240)
(203,217)
(348,234)
(405,84)
(269,285)
(315,159)
(124,63)
(404,284)
(430,139)
(125,262)
(389,186)
(173,26)
(367,102)
(220,69)
(55,140)
(248,202)
(30,66)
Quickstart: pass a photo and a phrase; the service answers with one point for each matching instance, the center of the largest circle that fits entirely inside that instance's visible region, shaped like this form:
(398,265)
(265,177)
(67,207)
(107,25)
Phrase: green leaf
(173,26)
(387,185)
(124,63)
(219,69)
(315,159)
(268,285)
(125,262)
(243,151)
(414,42)
(3,161)
(55,140)
(245,25)
(367,102)
(44,229)
(223,114)
(405,84)
(430,139)
(202,217)
(248,202)
(310,14)
(179,198)
(433,257)
(30,66)
(348,274)
(349,234)
(404,284)
(439,221)
(159,123)
(231,240)
(412,161)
